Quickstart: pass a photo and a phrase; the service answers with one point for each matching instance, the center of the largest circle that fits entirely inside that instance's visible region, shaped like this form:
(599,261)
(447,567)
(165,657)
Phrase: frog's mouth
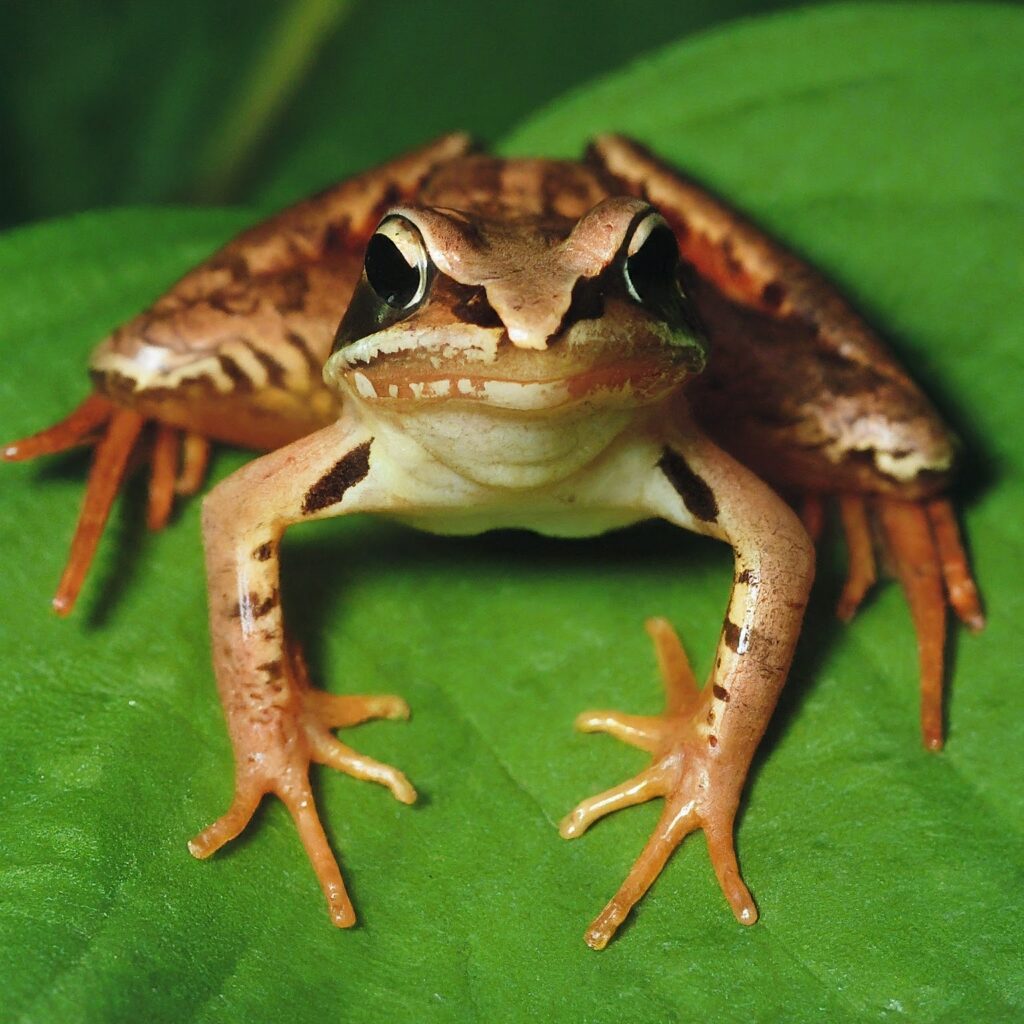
(415,367)
(634,382)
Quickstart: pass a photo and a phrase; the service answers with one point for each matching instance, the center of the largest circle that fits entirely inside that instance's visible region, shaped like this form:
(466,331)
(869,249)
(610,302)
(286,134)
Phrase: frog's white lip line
(476,346)
(626,381)
(503,393)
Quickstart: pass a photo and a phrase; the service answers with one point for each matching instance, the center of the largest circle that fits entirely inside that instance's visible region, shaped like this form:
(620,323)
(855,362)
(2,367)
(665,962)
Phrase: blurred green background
(113,102)
(884,141)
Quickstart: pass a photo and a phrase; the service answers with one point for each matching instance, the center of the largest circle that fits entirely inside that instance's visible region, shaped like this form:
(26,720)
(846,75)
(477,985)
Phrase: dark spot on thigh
(260,608)
(292,288)
(731,632)
(345,473)
(272,668)
(263,552)
(693,489)
(275,371)
(301,345)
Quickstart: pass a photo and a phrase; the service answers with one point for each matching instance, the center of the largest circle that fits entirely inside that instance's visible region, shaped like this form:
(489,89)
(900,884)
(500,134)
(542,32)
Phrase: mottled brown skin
(232,352)
(802,390)
(792,367)
(798,389)
(248,331)
(794,372)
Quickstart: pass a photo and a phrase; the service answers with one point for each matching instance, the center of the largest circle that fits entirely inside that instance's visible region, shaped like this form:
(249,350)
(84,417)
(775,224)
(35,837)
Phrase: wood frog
(462,342)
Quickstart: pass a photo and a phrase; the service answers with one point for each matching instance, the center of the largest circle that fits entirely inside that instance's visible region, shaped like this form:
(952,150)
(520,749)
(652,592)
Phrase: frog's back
(555,192)
(234,351)
(798,385)
(807,405)
(812,417)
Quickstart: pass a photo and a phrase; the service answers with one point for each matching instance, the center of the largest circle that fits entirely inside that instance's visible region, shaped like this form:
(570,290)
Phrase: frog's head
(518,313)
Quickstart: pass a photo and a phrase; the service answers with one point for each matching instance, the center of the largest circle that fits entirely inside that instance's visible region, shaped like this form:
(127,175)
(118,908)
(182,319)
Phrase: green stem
(277,71)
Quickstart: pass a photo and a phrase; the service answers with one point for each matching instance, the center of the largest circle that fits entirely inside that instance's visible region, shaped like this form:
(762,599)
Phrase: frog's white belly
(576,474)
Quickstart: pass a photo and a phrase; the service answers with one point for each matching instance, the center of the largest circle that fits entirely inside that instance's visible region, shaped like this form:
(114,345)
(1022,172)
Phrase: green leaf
(880,140)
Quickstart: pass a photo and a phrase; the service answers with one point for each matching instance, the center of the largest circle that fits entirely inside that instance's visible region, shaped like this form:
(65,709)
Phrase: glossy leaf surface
(881,141)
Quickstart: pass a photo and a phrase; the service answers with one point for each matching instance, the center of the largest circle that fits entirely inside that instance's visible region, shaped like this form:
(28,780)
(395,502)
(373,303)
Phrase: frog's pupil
(389,273)
(651,270)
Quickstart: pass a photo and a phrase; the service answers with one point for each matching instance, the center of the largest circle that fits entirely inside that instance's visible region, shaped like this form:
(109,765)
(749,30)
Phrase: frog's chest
(468,471)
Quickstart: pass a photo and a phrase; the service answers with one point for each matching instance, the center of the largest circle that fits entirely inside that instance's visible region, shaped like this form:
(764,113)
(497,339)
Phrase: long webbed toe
(921,543)
(961,587)
(861,572)
(117,434)
(277,761)
(682,772)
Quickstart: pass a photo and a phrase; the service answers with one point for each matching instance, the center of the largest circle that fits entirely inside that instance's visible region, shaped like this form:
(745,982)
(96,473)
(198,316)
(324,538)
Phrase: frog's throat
(489,446)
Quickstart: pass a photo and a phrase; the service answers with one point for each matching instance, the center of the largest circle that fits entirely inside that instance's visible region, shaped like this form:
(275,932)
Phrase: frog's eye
(652,263)
(396,263)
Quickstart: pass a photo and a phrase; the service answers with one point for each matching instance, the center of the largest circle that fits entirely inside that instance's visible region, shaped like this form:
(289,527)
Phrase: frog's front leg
(703,743)
(278,723)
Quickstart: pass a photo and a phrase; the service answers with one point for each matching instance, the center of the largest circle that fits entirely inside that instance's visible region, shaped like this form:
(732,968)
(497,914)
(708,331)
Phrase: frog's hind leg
(961,588)
(78,427)
(812,515)
(162,476)
(108,468)
(195,457)
(802,390)
(861,572)
(922,542)
(115,433)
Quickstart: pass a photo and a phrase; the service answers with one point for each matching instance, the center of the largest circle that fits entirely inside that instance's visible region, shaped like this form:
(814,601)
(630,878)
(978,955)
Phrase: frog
(462,342)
